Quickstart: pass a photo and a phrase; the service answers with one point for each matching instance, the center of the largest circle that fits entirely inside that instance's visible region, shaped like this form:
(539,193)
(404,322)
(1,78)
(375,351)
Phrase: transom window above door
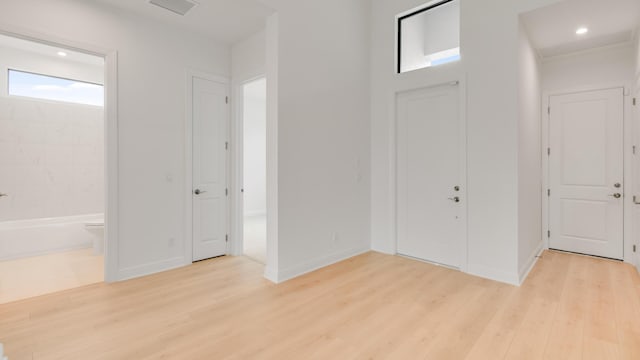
(428,36)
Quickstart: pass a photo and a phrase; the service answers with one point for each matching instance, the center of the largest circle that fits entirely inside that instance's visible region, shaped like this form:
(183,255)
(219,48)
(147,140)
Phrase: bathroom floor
(39,275)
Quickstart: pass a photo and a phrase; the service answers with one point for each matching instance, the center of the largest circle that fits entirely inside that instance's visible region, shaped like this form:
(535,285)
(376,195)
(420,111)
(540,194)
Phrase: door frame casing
(188,158)
(460,82)
(111,173)
(627,161)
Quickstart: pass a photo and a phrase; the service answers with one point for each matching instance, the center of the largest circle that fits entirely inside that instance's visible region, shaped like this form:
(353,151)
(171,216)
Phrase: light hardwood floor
(370,307)
(38,275)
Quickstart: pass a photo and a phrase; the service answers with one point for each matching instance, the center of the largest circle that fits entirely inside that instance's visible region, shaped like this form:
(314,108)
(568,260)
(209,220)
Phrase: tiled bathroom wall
(51,159)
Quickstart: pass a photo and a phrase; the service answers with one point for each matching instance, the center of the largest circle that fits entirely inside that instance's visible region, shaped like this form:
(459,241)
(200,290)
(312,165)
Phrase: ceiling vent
(180,7)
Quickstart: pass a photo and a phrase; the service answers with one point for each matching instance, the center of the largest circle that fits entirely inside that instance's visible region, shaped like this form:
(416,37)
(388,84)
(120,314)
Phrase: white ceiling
(49,51)
(228,21)
(553,29)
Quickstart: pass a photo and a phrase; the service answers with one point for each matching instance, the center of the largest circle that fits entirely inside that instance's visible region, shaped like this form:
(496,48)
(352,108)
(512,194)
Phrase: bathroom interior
(51,169)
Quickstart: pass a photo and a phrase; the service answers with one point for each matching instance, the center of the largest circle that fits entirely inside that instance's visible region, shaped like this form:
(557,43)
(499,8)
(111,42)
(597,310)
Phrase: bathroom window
(39,86)
(429,36)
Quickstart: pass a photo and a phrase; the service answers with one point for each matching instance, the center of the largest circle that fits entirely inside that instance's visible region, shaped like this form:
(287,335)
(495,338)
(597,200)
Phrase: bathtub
(23,238)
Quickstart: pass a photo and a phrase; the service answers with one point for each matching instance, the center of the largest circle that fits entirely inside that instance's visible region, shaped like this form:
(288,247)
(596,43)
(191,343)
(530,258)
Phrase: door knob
(455,199)
(198,191)
(616,195)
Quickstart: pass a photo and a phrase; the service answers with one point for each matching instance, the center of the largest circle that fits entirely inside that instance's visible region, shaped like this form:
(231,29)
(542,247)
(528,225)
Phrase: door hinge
(548,151)
(634,248)
(634,149)
(226,192)
(548,233)
(634,101)
(226,145)
(226,99)
(548,192)
(549,110)
(226,238)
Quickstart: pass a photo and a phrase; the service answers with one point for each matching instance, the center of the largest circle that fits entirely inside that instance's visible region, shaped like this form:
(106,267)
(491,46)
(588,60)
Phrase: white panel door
(430,201)
(210,114)
(636,175)
(586,173)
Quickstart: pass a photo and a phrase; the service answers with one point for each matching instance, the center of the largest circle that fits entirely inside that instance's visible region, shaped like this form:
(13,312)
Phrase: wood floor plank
(373,306)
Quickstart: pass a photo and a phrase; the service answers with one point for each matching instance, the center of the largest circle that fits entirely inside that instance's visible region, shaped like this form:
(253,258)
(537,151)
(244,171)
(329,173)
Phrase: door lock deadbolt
(618,185)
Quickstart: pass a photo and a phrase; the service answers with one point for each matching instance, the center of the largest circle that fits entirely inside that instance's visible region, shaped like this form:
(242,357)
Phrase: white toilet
(96,228)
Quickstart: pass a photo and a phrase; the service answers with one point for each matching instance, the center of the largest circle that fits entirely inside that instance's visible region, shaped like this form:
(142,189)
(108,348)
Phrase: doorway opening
(577,76)
(52,161)
(254,169)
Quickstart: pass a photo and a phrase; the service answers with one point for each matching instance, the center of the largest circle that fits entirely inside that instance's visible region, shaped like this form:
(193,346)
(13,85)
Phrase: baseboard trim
(494,274)
(56,250)
(150,268)
(255,213)
(313,265)
(271,275)
(531,262)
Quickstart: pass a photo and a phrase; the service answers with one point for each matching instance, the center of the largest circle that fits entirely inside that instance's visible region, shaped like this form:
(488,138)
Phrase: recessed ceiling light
(582,31)
(62,53)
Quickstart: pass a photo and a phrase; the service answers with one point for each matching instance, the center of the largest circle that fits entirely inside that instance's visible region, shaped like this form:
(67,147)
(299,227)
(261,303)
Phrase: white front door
(430,197)
(210,114)
(586,169)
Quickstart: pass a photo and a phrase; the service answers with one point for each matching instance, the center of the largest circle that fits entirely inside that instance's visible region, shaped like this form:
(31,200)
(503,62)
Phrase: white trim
(272,40)
(111,133)
(491,273)
(460,81)
(254,213)
(628,165)
(190,74)
(150,268)
(530,263)
(313,265)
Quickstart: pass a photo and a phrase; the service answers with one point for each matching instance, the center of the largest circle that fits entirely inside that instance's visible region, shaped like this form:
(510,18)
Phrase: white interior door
(210,114)
(430,197)
(636,175)
(586,169)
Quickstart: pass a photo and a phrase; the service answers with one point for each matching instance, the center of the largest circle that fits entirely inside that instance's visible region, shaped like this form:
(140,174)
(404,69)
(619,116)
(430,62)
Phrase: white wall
(598,69)
(529,155)
(607,66)
(323,133)
(51,153)
(489,51)
(152,62)
(248,58)
(254,116)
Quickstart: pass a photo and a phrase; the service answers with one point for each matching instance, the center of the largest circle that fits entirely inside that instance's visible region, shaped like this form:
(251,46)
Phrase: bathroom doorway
(254,160)
(52,168)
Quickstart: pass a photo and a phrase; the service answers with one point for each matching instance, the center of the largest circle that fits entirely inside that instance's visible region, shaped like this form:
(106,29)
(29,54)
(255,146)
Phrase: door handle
(455,199)
(198,191)
(635,200)
(3,195)
(616,195)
